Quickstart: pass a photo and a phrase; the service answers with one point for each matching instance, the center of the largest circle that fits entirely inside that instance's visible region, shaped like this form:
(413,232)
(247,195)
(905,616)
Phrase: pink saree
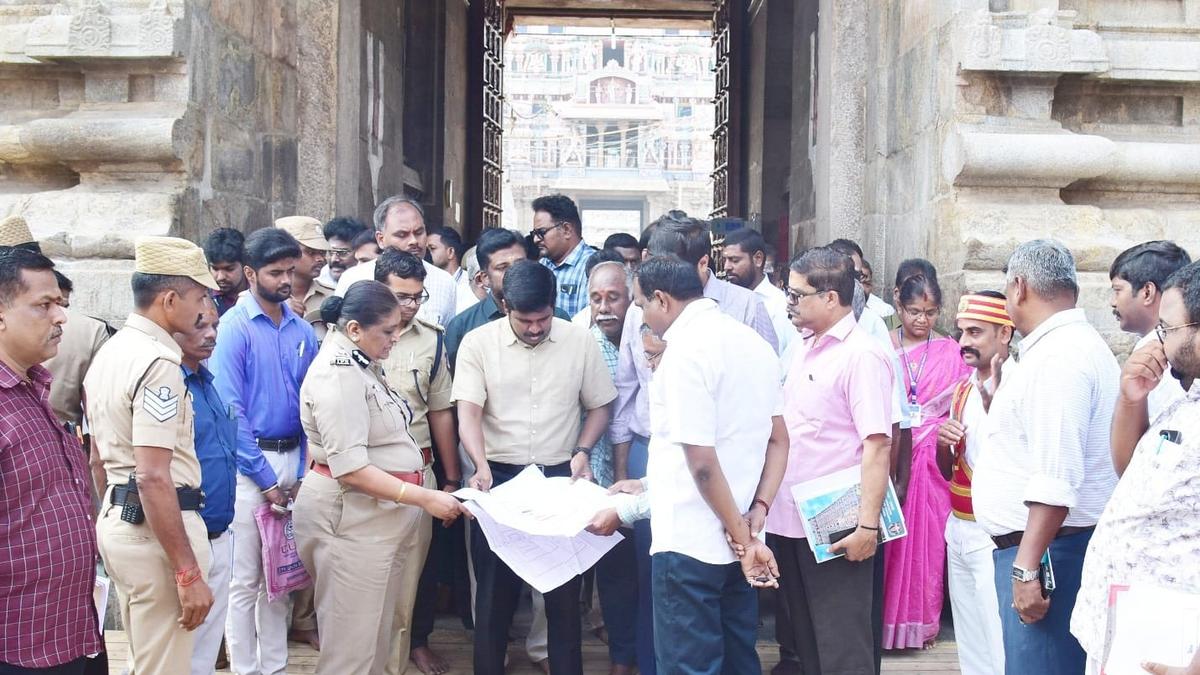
(913,578)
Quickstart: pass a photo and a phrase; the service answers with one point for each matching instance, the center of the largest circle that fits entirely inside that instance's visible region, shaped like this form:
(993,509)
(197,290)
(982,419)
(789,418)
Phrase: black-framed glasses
(407,300)
(1161,331)
(794,296)
(541,232)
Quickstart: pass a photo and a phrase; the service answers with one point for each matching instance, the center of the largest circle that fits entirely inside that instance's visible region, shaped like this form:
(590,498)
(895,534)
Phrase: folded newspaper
(828,508)
(536,525)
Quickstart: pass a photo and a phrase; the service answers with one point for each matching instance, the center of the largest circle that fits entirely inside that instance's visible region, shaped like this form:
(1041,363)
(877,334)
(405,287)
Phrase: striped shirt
(1047,431)
(602,457)
(572,278)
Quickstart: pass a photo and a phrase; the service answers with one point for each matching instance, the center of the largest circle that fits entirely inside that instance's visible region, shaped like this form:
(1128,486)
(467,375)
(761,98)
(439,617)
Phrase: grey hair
(859,303)
(625,269)
(470,262)
(1046,265)
(386,205)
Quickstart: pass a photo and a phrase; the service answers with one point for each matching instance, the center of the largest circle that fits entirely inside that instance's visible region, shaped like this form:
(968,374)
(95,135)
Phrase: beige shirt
(350,415)
(316,295)
(407,369)
(136,397)
(81,339)
(532,397)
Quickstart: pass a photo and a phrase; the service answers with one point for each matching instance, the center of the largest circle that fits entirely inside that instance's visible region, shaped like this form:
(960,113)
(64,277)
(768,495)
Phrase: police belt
(414,477)
(190,498)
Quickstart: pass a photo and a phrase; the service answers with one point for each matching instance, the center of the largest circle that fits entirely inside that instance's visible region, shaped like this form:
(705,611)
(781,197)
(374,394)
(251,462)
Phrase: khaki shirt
(136,397)
(81,338)
(316,295)
(408,368)
(350,415)
(533,398)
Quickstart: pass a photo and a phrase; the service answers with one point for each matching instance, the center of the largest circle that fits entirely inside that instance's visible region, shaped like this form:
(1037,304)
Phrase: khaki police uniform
(82,338)
(360,551)
(410,372)
(309,232)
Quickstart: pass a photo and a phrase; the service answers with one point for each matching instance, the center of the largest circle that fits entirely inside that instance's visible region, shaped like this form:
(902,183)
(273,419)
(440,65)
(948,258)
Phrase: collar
(343,342)
(489,307)
(694,310)
(508,336)
(254,310)
(605,343)
(204,374)
(573,258)
(1193,394)
(155,332)
(765,287)
(1064,318)
(840,330)
(10,378)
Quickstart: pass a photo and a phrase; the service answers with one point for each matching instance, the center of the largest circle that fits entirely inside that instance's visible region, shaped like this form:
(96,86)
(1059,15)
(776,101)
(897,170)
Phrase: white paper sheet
(1153,624)
(100,598)
(536,525)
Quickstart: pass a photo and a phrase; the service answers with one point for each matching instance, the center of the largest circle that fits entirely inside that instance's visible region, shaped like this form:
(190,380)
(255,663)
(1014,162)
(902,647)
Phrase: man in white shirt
(1137,277)
(718,449)
(446,252)
(745,259)
(987,331)
(876,303)
(1046,475)
(400,224)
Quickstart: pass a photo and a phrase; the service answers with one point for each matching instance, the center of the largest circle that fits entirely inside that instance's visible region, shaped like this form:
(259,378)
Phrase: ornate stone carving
(983,38)
(90,30)
(1047,47)
(156,28)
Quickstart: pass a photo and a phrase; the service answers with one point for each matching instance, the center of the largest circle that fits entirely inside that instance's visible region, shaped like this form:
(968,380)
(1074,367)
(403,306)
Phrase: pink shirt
(837,393)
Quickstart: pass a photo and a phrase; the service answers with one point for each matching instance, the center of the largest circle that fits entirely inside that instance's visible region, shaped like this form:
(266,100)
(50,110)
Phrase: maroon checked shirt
(47,537)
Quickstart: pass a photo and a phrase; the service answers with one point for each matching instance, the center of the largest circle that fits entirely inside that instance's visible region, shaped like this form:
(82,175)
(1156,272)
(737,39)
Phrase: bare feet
(428,661)
(308,637)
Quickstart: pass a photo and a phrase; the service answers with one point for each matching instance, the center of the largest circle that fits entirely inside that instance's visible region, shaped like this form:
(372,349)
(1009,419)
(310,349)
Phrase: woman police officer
(359,517)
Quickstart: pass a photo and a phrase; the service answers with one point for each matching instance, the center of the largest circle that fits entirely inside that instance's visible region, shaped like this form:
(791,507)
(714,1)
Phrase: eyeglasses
(794,296)
(339,251)
(931,314)
(1162,330)
(406,300)
(541,232)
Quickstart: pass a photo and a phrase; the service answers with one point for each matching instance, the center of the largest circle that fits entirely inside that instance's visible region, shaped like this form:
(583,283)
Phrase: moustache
(56,333)
(606,317)
(967,350)
(209,345)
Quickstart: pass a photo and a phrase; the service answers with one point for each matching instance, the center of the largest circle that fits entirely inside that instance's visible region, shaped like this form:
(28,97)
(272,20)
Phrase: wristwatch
(579,449)
(1023,575)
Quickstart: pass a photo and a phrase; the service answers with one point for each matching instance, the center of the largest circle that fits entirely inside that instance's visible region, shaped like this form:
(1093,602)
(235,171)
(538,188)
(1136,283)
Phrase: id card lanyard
(914,376)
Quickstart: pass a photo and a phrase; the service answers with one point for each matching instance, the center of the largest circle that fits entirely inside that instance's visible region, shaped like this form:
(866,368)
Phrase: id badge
(915,417)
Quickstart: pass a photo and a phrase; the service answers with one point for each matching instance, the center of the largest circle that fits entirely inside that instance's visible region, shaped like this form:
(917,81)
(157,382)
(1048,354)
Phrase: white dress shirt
(775,301)
(464,294)
(877,305)
(443,295)
(1047,432)
(1168,390)
(715,386)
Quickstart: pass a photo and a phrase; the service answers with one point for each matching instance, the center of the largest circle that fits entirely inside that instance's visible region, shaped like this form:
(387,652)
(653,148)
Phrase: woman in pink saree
(914,565)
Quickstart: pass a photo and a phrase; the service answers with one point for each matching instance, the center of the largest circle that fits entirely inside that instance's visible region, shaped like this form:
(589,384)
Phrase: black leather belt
(190,498)
(518,468)
(1014,538)
(278,444)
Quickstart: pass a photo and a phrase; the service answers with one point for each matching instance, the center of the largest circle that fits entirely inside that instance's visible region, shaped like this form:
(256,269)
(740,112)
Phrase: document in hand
(1150,623)
(828,507)
(536,525)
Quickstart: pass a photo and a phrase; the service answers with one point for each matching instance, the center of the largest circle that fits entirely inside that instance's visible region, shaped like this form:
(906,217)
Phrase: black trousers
(497,590)
(446,563)
(80,666)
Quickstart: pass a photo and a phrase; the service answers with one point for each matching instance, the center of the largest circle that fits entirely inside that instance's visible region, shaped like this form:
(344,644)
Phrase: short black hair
(14,260)
(64,282)
(605,255)
(1187,280)
(681,236)
(918,286)
(269,245)
(847,247)
(497,239)
(750,241)
(1151,262)
(995,295)
(450,239)
(621,240)
(671,275)
(647,232)
(345,228)
(827,269)
(147,287)
(912,267)
(225,245)
(561,209)
(362,239)
(402,264)
(532,285)
(367,302)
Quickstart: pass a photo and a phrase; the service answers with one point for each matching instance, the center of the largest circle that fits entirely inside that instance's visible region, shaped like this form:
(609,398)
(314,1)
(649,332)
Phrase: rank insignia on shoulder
(429,324)
(342,360)
(360,358)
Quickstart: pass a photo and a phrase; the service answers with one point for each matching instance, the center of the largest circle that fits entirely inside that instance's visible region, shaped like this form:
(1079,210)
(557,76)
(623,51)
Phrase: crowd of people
(348,378)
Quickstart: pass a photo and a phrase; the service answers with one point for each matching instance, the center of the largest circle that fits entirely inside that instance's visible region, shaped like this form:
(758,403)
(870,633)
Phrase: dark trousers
(617,583)
(80,666)
(497,590)
(646,661)
(827,610)
(446,563)
(705,617)
(1046,647)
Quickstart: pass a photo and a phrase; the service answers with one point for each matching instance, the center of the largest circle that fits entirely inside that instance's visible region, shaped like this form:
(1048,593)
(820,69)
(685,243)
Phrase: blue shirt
(215,429)
(258,368)
(571,274)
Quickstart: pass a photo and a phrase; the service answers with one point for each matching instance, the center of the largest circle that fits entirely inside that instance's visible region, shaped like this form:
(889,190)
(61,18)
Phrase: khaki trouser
(364,556)
(304,611)
(411,560)
(145,583)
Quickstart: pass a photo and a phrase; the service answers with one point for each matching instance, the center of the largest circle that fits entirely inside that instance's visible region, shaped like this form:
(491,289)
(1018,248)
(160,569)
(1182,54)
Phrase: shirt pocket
(386,411)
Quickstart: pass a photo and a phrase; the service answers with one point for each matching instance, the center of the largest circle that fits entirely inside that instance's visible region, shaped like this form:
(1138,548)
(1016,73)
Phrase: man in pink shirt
(837,406)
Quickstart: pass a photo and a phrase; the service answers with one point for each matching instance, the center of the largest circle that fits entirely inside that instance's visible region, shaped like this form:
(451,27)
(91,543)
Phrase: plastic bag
(282,567)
